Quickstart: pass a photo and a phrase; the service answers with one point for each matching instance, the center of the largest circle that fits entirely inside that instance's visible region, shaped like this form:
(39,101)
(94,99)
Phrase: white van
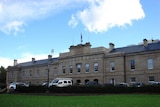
(61,82)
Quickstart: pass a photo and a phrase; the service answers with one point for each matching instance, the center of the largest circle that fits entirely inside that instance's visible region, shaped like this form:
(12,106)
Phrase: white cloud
(13,27)
(73,22)
(5,62)
(102,15)
(14,14)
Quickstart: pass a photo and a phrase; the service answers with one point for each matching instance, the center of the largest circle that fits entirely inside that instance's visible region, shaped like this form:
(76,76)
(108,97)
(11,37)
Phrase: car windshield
(55,81)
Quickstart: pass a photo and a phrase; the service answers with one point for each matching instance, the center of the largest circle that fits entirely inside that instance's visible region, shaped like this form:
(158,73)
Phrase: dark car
(138,84)
(92,83)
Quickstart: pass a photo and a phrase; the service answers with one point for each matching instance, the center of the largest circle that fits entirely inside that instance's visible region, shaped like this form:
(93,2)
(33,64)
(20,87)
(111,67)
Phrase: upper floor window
(78,68)
(23,73)
(30,73)
(112,66)
(71,69)
(11,74)
(87,67)
(37,73)
(95,67)
(63,69)
(132,64)
(150,63)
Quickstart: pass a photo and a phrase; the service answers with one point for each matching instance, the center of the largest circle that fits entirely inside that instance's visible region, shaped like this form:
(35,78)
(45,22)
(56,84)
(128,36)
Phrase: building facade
(137,63)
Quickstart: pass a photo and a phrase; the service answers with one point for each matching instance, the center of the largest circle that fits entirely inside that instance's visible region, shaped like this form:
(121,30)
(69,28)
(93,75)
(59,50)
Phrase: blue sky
(32,28)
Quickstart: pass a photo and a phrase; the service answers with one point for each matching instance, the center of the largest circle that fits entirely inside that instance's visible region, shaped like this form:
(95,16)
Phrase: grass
(115,100)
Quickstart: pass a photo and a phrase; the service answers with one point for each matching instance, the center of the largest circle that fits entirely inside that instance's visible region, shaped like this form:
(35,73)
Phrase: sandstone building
(136,63)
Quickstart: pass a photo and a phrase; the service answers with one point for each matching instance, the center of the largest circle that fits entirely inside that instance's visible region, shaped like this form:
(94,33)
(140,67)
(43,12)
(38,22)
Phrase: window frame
(78,66)
(150,63)
(70,69)
(132,64)
(96,67)
(112,66)
(87,67)
(63,69)
(151,78)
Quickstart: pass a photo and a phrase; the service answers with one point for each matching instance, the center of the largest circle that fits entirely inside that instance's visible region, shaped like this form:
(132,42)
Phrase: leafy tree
(3,73)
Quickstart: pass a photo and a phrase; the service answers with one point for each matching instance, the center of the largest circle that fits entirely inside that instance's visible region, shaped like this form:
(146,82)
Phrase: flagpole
(81,38)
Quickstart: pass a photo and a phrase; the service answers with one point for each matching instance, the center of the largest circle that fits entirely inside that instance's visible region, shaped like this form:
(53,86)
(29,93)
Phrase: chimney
(145,42)
(111,46)
(33,60)
(15,62)
(49,56)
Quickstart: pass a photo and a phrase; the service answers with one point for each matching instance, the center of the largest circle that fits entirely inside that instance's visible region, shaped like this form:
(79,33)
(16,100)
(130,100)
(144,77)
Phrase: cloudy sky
(32,28)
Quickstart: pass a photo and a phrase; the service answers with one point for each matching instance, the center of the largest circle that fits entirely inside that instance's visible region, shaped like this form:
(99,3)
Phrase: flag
(52,51)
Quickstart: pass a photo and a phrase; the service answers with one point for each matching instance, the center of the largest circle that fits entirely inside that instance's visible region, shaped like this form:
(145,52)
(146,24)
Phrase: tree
(3,73)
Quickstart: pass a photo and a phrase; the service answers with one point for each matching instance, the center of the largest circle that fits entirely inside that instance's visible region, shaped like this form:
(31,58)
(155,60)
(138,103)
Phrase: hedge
(88,89)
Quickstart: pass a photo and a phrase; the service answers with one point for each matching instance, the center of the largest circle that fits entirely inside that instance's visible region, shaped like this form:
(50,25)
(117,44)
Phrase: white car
(14,84)
(61,82)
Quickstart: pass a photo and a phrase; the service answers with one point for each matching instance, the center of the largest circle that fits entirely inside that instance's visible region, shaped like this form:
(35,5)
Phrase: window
(150,63)
(133,79)
(78,68)
(46,72)
(87,67)
(112,66)
(11,74)
(70,69)
(37,73)
(151,78)
(78,82)
(63,69)
(132,64)
(95,67)
(30,73)
(23,74)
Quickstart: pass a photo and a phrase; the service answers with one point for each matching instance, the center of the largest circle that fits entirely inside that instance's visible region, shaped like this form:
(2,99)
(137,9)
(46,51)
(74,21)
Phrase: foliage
(88,89)
(3,72)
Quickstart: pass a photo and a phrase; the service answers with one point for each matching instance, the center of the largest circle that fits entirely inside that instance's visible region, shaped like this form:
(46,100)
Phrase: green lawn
(111,100)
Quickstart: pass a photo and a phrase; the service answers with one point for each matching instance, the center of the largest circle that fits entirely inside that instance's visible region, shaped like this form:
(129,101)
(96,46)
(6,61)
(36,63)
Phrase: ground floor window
(133,79)
(151,78)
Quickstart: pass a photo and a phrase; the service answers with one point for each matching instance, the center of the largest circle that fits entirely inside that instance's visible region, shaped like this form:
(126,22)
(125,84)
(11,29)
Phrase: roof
(38,62)
(138,48)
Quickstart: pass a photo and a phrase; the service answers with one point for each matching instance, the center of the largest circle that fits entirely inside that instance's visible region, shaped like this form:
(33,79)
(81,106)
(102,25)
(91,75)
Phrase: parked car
(122,85)
(45,84)
(92,83)
(61,82)
(138,84)
(14,85)
(155,83)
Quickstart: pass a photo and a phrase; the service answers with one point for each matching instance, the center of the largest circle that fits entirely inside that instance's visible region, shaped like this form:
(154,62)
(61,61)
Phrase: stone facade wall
(84,55)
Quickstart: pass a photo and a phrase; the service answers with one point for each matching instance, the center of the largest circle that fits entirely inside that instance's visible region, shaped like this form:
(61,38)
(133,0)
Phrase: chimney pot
(33,59)
(15,62)
(145,42)
(111,46)
(49,56)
